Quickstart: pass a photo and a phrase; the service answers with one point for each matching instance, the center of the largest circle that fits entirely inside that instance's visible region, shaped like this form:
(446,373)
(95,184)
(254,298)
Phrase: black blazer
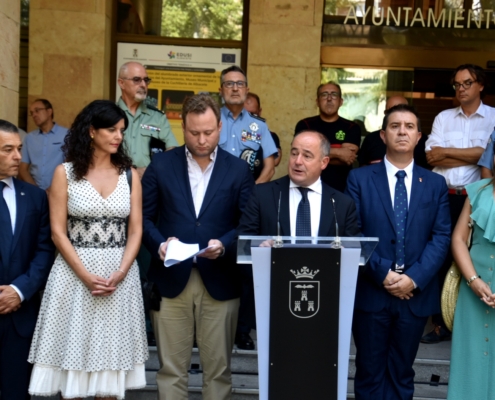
(168,210)
(260,214)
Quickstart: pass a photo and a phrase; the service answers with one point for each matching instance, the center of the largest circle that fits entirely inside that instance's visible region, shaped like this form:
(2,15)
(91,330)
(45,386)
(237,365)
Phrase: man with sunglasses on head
(457,141)
(344,135)
(145,121)
(42,148)
(243,134)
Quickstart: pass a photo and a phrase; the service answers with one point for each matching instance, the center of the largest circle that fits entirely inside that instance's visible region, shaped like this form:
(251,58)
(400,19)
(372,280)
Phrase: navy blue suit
(167,196)
(386,329)
(26,264)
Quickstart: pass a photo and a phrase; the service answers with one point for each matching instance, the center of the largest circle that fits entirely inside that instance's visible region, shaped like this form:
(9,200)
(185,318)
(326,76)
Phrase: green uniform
(148,122)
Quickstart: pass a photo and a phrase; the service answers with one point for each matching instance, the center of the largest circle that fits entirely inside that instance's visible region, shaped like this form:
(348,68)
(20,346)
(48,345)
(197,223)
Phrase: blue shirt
(43,151)
(486,159)
(245,132)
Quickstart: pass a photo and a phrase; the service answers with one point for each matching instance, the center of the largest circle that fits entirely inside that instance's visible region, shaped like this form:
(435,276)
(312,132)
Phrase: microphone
(278,242)
(337,244)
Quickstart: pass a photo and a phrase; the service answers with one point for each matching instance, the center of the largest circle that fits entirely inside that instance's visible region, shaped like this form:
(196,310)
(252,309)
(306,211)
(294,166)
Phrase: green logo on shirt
(340,135)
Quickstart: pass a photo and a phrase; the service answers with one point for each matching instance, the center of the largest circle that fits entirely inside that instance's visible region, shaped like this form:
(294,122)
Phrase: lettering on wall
(406,16)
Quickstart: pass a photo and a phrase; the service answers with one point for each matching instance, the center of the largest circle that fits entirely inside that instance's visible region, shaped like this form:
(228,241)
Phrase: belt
(459,192)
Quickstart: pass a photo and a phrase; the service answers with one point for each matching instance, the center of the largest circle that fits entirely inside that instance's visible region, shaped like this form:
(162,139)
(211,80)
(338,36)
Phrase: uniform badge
(254,127)
(150,128)
(340,135)
(243,136)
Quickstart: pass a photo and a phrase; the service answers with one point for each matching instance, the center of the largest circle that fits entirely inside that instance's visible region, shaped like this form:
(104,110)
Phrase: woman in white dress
(90,337)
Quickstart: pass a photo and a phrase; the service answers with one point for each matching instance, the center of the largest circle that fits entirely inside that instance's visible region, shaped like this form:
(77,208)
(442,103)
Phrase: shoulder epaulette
(257,117)
(155,109)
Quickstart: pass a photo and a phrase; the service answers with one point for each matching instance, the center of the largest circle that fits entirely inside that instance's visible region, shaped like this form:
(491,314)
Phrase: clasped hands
(9,299)
(99,286)
(216,249)
(399,285)
(483,291)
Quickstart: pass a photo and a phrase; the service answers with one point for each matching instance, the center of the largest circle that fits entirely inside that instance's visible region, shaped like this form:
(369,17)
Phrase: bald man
(373,149)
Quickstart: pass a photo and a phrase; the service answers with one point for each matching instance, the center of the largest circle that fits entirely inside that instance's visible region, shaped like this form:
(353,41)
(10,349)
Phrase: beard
(140,96)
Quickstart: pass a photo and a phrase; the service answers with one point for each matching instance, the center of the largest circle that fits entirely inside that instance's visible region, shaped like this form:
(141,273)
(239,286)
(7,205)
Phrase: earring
(92,137)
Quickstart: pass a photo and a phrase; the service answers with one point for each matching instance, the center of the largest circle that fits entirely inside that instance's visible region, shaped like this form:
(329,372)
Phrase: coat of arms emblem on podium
(304,294)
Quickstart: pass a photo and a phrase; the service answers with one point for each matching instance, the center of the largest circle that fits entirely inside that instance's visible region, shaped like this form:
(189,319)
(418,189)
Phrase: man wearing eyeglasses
(243,134)
(145,122)
(344,135)
(457,140)
(42,148)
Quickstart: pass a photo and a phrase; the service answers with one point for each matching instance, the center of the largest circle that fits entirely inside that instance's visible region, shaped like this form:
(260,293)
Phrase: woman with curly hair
(90,337)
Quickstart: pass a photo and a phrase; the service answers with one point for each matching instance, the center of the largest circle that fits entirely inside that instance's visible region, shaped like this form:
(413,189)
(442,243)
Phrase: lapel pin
(421,179)
(22,193)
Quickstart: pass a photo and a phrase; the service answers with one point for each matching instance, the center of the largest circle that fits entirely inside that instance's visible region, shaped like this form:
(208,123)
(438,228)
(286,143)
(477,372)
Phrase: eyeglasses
(326,95)
(231,84)
(465,85)
(137,80)
(36,111)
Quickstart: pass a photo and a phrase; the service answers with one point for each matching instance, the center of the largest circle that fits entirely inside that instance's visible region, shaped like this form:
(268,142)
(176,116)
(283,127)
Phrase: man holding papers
(197,193)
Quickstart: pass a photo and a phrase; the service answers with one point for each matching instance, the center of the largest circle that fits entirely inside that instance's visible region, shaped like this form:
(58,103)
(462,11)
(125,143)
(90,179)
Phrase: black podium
(304,290)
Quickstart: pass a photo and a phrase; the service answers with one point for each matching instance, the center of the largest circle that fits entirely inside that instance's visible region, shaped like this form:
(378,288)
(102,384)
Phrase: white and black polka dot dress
(85,345)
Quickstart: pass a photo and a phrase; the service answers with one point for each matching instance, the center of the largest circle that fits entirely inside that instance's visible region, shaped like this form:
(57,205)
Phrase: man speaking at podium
(407,207)
(300,201)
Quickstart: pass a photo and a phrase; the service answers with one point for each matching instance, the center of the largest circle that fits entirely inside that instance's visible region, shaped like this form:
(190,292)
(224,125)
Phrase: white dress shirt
(198,178)
(9,197)
(452,128)
(392,179)
(314,197)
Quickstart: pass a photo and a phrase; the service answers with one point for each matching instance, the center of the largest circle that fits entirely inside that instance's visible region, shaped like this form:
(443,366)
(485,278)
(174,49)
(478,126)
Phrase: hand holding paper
(214,250)
(177,251)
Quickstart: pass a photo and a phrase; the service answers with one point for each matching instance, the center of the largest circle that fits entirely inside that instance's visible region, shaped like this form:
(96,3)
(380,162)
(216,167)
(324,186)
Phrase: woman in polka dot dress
(90,337)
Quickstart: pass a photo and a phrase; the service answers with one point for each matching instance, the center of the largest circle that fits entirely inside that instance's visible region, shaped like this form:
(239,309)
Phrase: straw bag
(451,285)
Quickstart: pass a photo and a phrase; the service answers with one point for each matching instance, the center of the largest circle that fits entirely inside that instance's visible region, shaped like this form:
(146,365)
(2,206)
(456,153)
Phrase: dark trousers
(247,318)
(456,202)
(387,342)
(15,371)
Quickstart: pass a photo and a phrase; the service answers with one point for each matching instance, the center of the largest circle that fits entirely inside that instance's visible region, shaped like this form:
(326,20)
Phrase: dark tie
(5,225)
(400,211)
(303,218)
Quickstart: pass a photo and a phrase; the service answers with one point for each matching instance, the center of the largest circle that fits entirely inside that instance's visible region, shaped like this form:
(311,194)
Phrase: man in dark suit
(26,255)
(309,155)
(197,192)
(407,207)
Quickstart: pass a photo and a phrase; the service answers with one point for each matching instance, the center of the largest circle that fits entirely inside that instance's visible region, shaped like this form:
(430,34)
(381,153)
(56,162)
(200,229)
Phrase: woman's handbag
(451,285)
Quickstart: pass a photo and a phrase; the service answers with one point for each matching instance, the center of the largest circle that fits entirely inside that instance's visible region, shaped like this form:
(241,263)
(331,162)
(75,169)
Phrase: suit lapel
(220,168)
(182,177)
(326,215)
(20,200)
(281,191)
(417,189)
(380,180)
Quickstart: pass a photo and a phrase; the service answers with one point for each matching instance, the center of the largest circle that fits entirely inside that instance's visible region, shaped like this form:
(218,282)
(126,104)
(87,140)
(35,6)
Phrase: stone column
(10,16)
(284,63)
(69,54)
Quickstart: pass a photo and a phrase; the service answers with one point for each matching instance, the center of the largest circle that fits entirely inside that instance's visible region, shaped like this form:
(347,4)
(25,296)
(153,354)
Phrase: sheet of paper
(178,251)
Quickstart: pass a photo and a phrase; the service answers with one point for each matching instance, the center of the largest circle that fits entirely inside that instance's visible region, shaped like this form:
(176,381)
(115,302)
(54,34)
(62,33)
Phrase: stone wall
(10,15)
(69,54)
(284,63)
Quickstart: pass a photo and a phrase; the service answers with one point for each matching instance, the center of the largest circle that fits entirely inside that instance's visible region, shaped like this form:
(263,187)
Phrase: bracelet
(472,279)
(122,272)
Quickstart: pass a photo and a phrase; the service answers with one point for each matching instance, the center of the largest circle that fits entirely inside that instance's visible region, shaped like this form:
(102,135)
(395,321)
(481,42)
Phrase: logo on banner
(171,54)
(135,53)
(304,295)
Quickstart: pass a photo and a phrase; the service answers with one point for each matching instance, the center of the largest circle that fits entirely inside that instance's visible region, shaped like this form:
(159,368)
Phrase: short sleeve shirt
(245,132)
(452,128)
(486,159)
(338,132)
(43,151)
(147,123)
